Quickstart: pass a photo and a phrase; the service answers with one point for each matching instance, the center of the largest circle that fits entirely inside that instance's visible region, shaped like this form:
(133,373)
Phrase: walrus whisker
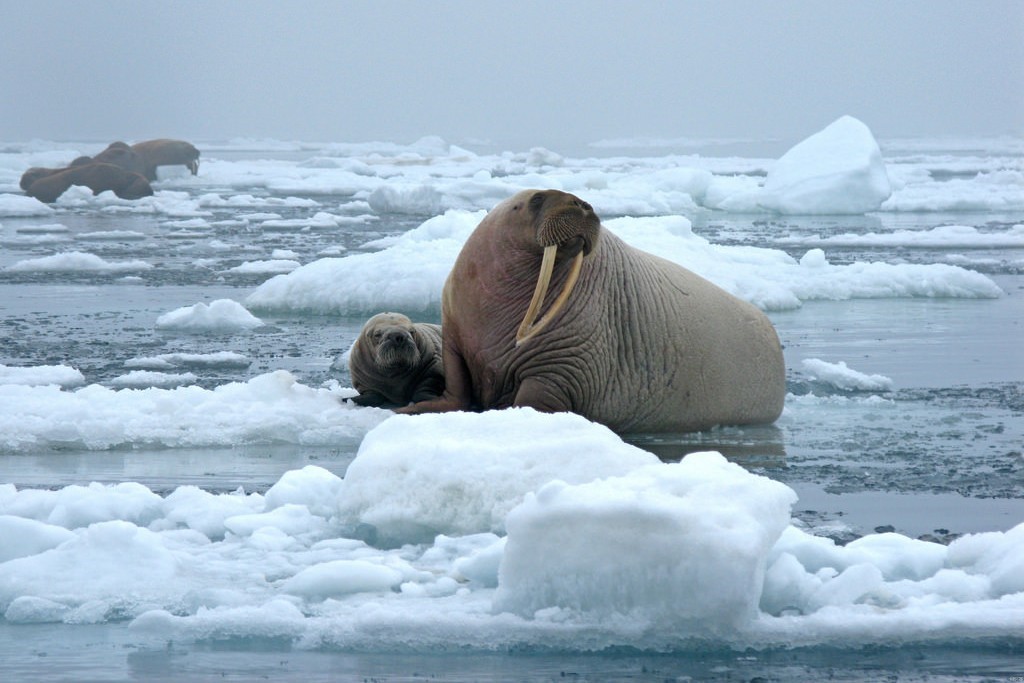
(559,303)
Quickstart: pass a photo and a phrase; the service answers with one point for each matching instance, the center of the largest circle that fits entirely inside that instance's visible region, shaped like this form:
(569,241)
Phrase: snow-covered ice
(270,408)
(837,170)
(60,375)
(843,377)
(631,551)
(408,273)
(222,315)
(73,261)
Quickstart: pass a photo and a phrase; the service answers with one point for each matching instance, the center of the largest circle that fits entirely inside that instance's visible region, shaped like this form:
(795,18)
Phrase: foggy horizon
(529,74)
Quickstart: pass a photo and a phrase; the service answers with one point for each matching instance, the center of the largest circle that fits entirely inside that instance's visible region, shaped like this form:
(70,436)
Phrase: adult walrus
(396,361)
(36,172)
(165,152)
(632,341)
(96,176)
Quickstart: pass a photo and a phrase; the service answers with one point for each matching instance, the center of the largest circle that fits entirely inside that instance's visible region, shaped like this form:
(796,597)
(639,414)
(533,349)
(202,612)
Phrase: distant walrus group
(124,169)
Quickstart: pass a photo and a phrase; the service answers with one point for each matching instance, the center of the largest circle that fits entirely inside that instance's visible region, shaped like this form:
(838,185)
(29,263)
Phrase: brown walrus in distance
(36,172)
(97,177)
(142,158)
(166,152)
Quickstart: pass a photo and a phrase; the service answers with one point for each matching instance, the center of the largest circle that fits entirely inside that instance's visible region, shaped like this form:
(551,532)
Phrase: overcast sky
(514,73)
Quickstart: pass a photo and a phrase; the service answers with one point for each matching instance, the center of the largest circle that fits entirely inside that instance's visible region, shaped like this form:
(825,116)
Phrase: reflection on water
(254,467)
(55,652)
(752,446)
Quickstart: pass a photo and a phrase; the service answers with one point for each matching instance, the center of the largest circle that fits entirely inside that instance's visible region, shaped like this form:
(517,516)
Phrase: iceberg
(838,170)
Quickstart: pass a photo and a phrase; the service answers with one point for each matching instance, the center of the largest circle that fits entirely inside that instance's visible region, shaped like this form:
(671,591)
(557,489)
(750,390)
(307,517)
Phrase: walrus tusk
(528,329)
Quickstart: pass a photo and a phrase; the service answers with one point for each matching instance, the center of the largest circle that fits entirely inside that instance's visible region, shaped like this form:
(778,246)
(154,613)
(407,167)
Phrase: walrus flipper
(431,387)
(373,399)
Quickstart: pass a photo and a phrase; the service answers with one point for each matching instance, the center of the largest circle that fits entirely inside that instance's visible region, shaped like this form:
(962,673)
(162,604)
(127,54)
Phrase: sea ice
(409,271)
(270,408)
(220,316)
(272,267)
(61,375)
(165,361)
(19,205)
(149,378)
(74,261)
(469,470)
(628,552)
(842,377)
(837,170)
(680,546)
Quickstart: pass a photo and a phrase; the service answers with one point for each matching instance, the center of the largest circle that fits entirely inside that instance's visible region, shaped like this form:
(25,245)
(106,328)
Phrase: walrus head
(390,341)
(565,227)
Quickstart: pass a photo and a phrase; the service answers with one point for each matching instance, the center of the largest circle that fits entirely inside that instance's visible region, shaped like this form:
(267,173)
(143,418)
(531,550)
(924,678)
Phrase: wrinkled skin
(97,177)
(164,152)
(395,362)
(641,344)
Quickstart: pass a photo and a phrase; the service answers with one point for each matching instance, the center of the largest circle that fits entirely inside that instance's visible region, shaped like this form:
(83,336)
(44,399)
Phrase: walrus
(96,176)
(395,361)
(124,157)
(632,341)
(165,152)
(36,172)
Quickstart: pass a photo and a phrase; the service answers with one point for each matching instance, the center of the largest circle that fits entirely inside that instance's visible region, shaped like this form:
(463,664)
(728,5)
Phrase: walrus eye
(536,201)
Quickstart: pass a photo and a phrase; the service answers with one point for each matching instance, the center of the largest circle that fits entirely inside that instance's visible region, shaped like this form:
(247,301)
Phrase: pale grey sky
(515,73)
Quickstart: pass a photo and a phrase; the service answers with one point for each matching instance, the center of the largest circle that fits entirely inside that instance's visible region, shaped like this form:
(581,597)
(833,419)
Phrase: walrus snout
(396,348)
(567,226)
(398,338)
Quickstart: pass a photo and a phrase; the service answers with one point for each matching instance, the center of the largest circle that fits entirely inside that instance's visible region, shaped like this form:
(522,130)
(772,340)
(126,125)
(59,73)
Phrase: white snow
(150,378)
(60,375)
(943,236)
(407,275)
(219,316)
(659,544)
(837,170)
(271,266)
(843,377)
(409,271)
(270,408)
(20,205)
(166,361)
(565,538)
(75,261)
(478,468)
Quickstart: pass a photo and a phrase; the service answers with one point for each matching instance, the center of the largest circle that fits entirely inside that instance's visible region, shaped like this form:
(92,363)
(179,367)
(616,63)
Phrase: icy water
(937,455)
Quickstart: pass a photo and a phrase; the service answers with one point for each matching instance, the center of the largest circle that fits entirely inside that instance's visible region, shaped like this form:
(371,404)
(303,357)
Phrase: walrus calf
(633,341)
(395,362)
(97,177)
